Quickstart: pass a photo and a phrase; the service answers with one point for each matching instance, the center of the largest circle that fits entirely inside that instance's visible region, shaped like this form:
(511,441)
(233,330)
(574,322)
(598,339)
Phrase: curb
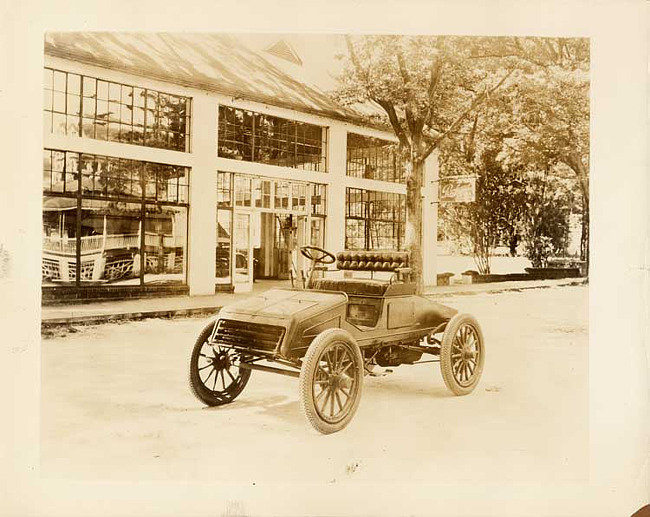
(494,290)
(97,319)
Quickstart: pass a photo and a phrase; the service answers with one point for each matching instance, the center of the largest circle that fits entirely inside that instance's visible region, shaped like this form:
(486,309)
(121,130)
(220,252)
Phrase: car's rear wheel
(462,354)
(331,380)
(215,377)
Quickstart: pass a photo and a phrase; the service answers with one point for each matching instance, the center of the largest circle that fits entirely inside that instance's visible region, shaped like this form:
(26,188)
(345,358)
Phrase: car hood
(284,304)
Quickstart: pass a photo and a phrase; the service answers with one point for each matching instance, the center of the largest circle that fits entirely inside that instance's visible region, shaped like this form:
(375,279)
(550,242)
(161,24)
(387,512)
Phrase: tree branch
(410,119)
(434,80)
(353,55)
(394,121)
(478,100)
(385,104)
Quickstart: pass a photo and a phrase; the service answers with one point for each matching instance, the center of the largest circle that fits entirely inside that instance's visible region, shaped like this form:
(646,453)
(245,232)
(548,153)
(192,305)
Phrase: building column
(430,221)
(202,235)
(335,222)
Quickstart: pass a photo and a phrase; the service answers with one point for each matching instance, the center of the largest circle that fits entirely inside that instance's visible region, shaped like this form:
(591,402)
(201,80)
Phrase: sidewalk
(181,306)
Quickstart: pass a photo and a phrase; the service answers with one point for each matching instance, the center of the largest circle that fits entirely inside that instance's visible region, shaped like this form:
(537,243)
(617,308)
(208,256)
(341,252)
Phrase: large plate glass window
(242,239)
(223,272)
(79,105)
(255,137)
(374,220)
(113,220)
(373,158)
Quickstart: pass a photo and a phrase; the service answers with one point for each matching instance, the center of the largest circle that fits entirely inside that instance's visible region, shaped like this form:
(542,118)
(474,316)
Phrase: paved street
(116,406)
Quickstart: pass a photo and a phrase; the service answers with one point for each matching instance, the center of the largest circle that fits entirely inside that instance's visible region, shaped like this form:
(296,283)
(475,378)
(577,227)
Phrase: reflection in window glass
(317,234)
(165,240)
(318,199)
(103,220)
(373,158)
(224,237)
(374,220)
(242,244)
(243,186)
(281,195)
(245,135)
(84,106)
(299,197)
(224,193)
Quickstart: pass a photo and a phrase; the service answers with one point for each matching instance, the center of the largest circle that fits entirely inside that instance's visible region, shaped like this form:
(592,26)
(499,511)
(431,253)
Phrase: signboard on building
(457,189)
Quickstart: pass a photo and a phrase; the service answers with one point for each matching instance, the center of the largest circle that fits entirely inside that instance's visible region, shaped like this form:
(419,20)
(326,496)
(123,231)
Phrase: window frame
(143,200)
(362,212)
(95,93)
(246,135)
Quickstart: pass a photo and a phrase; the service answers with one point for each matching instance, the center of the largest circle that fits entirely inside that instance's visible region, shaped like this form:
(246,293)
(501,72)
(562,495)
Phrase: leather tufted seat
(352,286)
(371,261)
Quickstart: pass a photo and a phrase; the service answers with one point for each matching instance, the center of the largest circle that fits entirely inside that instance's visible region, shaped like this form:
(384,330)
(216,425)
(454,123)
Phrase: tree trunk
(582,173)
(413,238)
(584,238)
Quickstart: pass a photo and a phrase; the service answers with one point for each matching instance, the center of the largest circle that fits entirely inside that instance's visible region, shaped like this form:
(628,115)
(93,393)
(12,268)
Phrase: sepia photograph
(297,196)
(354,264)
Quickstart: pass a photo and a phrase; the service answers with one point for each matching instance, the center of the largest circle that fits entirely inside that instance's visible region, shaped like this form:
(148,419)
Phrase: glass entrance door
(243,259)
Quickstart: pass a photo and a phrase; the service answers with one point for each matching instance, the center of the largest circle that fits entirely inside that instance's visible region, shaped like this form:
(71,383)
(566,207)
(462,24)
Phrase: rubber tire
(200,391)
(445,354)
(308,370)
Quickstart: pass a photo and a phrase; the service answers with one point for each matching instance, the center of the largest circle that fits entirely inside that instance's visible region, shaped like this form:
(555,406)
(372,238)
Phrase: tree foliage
(495,215)
(494,107)
(551,110)
(545,226)
(426,90)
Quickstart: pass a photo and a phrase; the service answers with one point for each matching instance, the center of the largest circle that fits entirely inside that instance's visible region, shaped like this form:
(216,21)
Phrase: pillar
(335,222)
(202,237)
(430,221)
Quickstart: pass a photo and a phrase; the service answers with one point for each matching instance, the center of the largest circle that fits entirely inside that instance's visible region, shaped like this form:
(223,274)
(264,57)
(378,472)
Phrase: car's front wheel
(331,380)
(215,377)
(462,354)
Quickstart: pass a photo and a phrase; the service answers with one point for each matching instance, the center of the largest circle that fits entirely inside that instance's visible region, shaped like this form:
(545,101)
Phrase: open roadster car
(332,333)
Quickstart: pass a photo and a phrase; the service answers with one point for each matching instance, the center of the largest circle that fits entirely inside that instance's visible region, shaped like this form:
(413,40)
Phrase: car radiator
(253,336)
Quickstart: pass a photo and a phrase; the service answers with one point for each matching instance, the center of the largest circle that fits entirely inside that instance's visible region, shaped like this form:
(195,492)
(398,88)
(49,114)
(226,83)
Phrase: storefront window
(318,199)
(373,158)
(224,237)
(298,197)
(374,220)
(282,195)
(76,105)
(165,238)
(266,194)
(224,192)
(243,190)
(317,234)
(124,209)
(242,248)
(254,137)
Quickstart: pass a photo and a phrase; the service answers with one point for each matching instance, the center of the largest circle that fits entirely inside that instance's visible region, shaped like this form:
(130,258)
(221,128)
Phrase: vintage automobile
(331,333)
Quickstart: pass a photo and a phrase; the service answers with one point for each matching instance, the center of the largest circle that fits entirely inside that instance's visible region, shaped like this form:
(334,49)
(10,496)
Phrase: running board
(268,369)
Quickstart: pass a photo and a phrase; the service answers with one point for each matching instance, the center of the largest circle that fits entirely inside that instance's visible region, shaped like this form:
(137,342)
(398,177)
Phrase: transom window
(374,220)
(373,158)
(78,105)
(272,194)
(107,176)
(255,137)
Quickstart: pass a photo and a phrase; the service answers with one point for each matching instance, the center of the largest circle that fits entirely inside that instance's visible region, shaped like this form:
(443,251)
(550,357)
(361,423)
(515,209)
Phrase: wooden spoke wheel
(214,374)
(462,354)
(331,379)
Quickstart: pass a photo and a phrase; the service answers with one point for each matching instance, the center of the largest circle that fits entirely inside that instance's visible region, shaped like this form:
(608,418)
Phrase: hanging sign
(457,189)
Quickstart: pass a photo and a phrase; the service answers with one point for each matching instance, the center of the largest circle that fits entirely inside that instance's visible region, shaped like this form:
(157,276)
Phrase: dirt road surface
(115,406)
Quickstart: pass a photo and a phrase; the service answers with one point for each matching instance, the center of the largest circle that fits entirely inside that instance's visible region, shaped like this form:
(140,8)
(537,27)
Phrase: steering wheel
(324,256)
